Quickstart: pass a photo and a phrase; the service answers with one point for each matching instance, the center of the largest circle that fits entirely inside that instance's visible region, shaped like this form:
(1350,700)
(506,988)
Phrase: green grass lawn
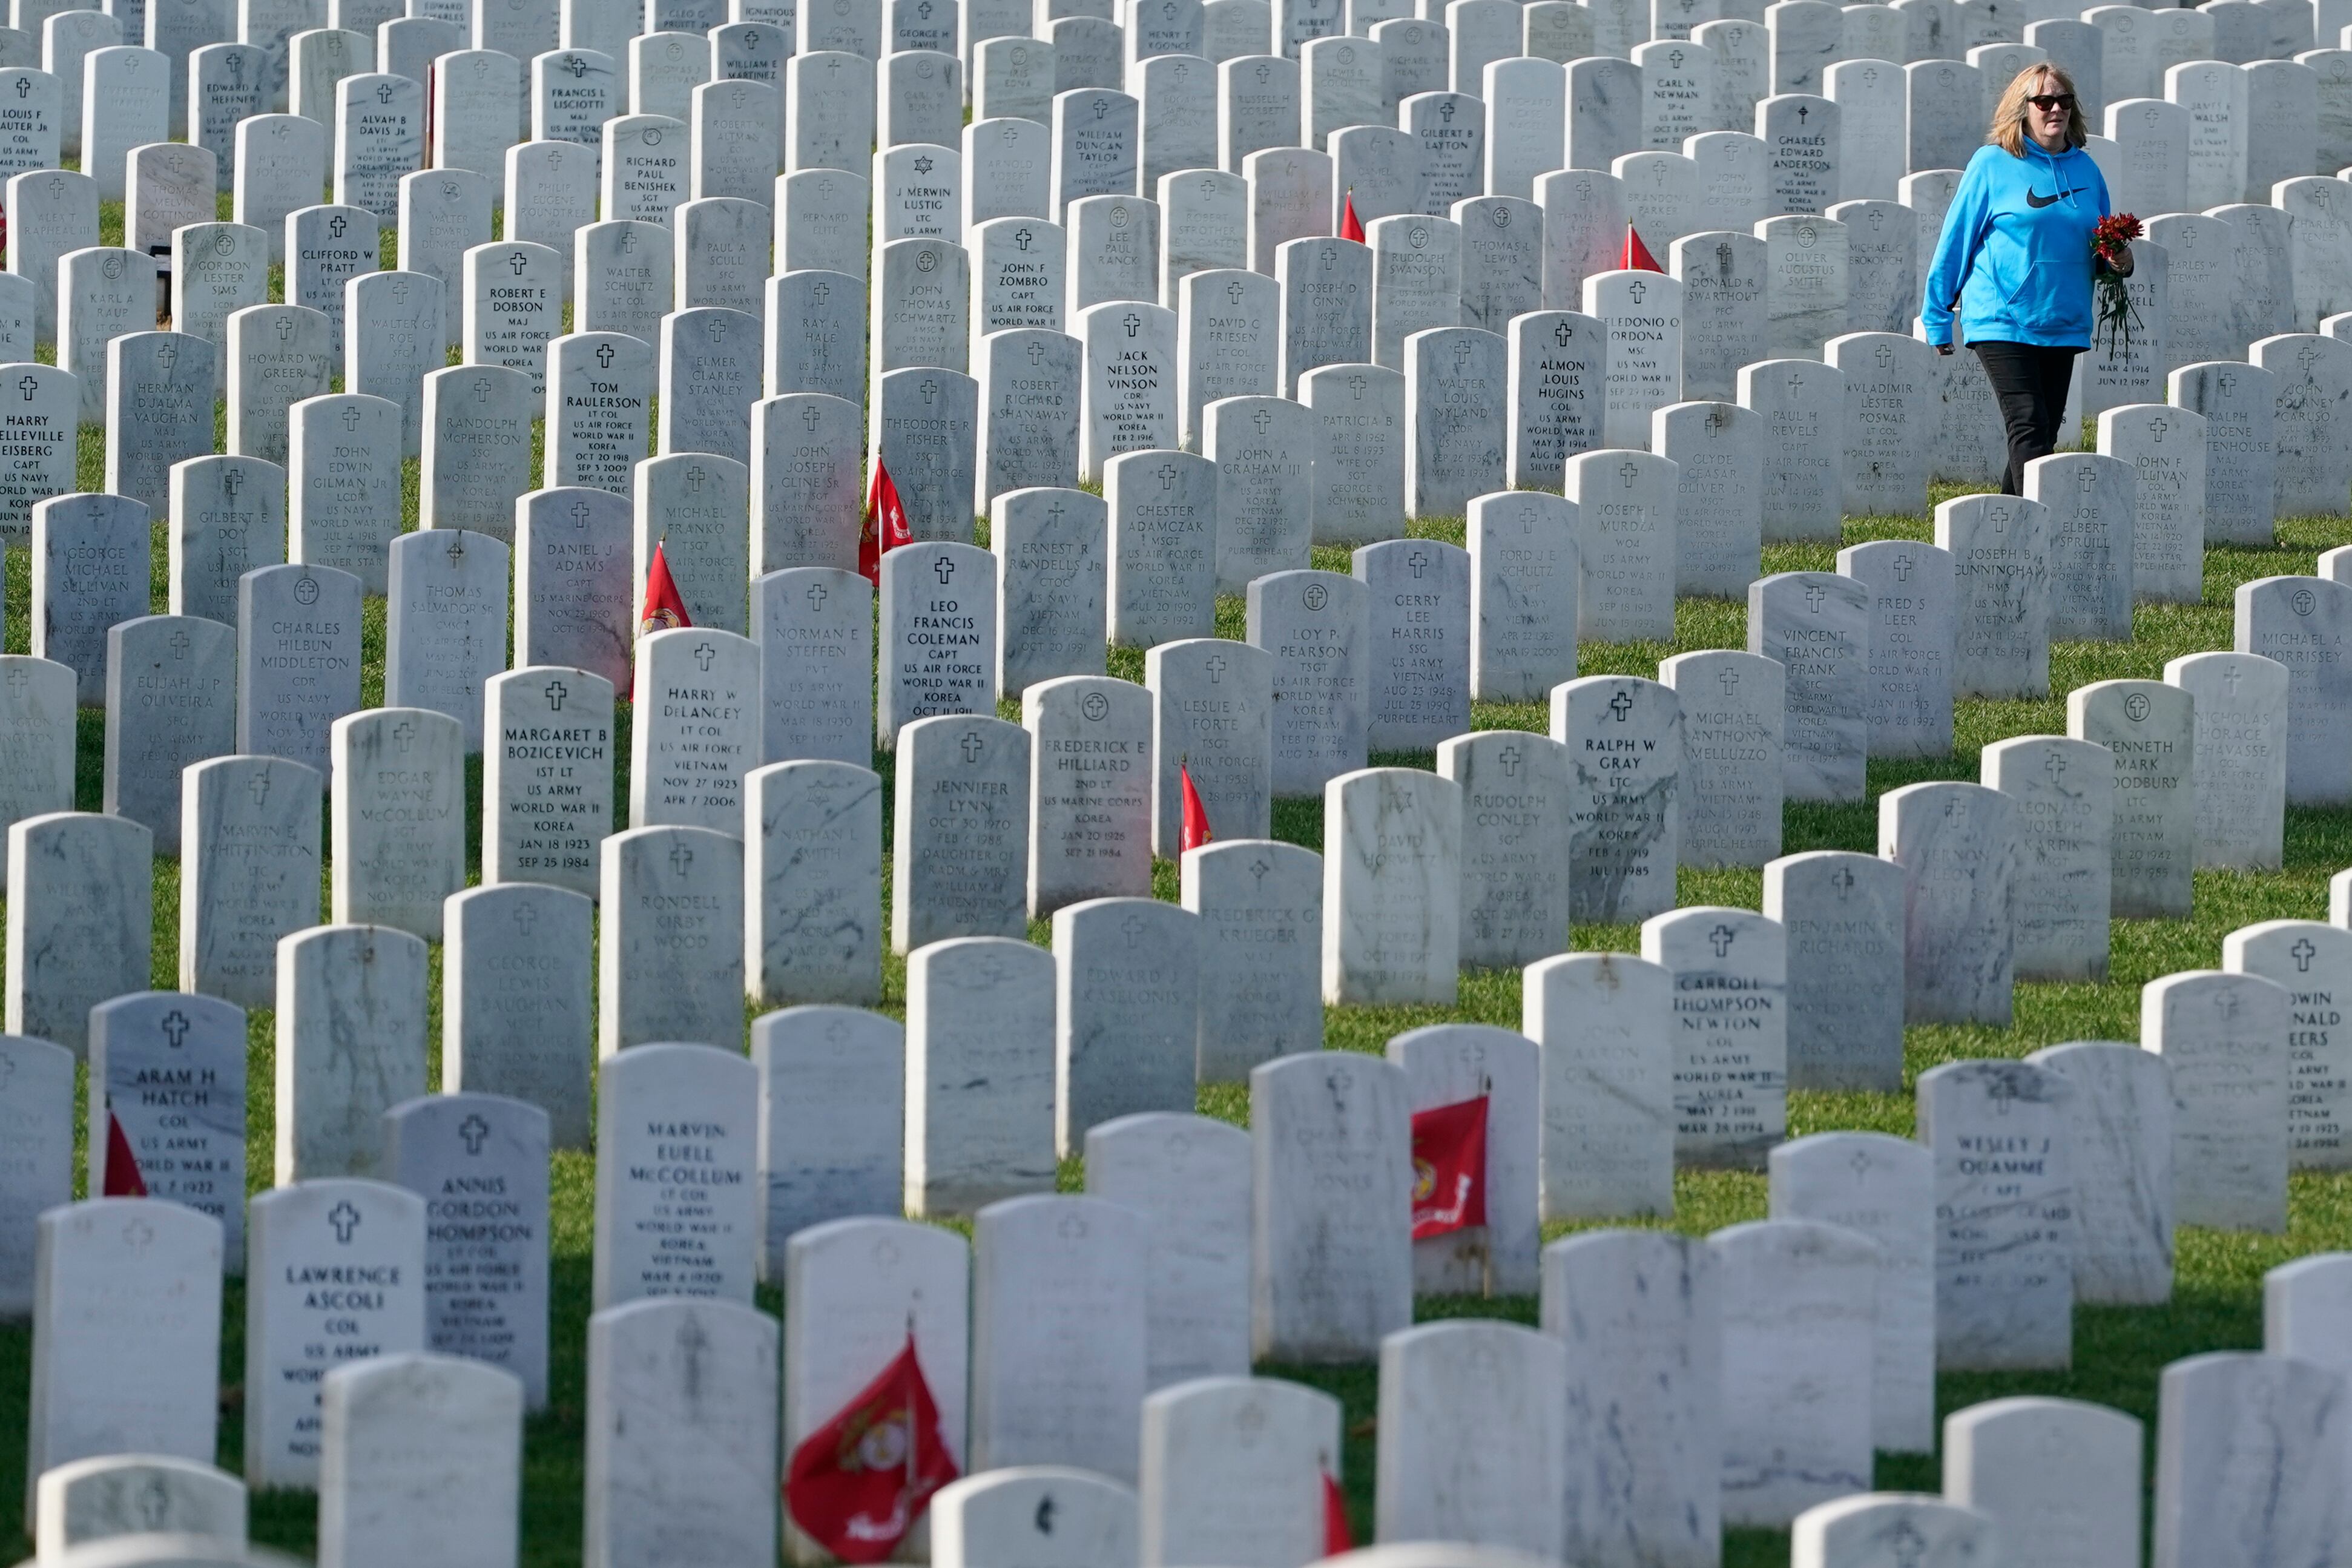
(2119,1351)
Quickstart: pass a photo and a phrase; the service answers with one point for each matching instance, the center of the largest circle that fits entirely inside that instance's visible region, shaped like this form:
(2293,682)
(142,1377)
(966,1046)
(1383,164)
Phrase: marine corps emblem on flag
(1449,1168)
(857,1484)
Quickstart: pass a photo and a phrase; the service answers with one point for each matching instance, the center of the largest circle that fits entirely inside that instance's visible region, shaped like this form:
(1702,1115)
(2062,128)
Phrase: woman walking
(2015,260)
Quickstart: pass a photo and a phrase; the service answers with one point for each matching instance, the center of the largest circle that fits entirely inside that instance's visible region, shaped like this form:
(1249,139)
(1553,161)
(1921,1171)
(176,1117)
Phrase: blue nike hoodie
(2015,254)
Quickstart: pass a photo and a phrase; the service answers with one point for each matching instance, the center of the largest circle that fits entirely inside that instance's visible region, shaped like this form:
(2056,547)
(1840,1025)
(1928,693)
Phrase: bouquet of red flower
(2111,259)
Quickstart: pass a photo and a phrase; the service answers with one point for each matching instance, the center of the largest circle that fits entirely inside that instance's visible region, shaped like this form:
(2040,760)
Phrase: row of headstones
(1468,412)
(1187,109)
(1719,1372)
(2027,1480)
(1012,1052)
(1841,667)
(1211,524)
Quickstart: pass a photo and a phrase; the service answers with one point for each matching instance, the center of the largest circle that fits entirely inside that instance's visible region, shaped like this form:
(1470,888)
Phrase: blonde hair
(2008,131)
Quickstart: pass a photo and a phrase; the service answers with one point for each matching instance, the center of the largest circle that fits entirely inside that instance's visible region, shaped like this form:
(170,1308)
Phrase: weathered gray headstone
(2225,1038)
(161,385)
(960,842)
(979,1074)
(1717,449)
(479,1162)
(1317,625)
(171,702)
(1797,1297)
(517,1003)
(350,1046)
(547,773)
(2150,726)
(298,660)
(1523,592)
(1089,790)
(695,507)
(1417,594)
(832,1083)
(1907,696)
(1358,464)
(1961,844)
(670,954)
(2002,1136)
(229,517)
(167,1106)
(1333,1302)
(1625,745)
(2240,703)
(1844,917)
(681,1424)
(1817,624)
(574,598)
(125,1301)
(1391,873)
(678,1212)
(2304,623)
(1625,540)
(399,819)
(249,872)
(697,728)
(87,574)
(2066,814)
(2000,547)
(343,485)
(1517,801)
(37,1108)
(1730,792)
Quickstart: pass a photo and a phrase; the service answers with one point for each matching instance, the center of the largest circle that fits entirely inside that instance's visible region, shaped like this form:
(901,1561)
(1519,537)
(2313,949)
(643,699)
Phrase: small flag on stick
(1337,1537)
(885,527)
(1350,226)
(1637,257)
(122,1177)
(1196,816)
(1449,1167)
(664,608)
(857,1484)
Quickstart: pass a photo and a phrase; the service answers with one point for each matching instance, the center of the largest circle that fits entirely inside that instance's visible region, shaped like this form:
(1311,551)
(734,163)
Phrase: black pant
(2030,380)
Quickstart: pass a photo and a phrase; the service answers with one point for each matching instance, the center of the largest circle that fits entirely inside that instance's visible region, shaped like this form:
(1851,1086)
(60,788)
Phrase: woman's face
(2046,121)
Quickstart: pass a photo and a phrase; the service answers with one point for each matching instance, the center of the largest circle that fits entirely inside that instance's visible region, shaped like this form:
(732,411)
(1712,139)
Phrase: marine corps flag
(1337,1537)
(1449,1167)
(1637,257)
(665,608)
(122,1177)
(885,526)
(857,1484)
(1195,831)
(1350,226)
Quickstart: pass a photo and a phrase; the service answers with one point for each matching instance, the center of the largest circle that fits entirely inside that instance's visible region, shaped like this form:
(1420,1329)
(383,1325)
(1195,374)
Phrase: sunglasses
(2049,100)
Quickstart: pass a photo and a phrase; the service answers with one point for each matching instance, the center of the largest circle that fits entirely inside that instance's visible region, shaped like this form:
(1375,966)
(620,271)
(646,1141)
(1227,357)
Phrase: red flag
(883,508)
(1350,226)
(664,608)
(1637,257)
(1449,1167)
(1196,816)
(1337,1537)
(857,1484)
(122,1177)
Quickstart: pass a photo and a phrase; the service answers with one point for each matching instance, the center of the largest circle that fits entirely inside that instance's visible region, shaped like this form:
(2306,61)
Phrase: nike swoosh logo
(2034,199)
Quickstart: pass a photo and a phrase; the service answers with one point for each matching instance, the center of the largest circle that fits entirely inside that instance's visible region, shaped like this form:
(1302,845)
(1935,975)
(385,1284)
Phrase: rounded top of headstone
(2003,1420)
(166,1552)
(1433,1554)
(1816,1241)
(1882,1526)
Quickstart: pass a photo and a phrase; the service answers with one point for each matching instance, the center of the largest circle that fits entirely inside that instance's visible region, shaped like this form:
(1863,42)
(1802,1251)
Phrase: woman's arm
(1956,252)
